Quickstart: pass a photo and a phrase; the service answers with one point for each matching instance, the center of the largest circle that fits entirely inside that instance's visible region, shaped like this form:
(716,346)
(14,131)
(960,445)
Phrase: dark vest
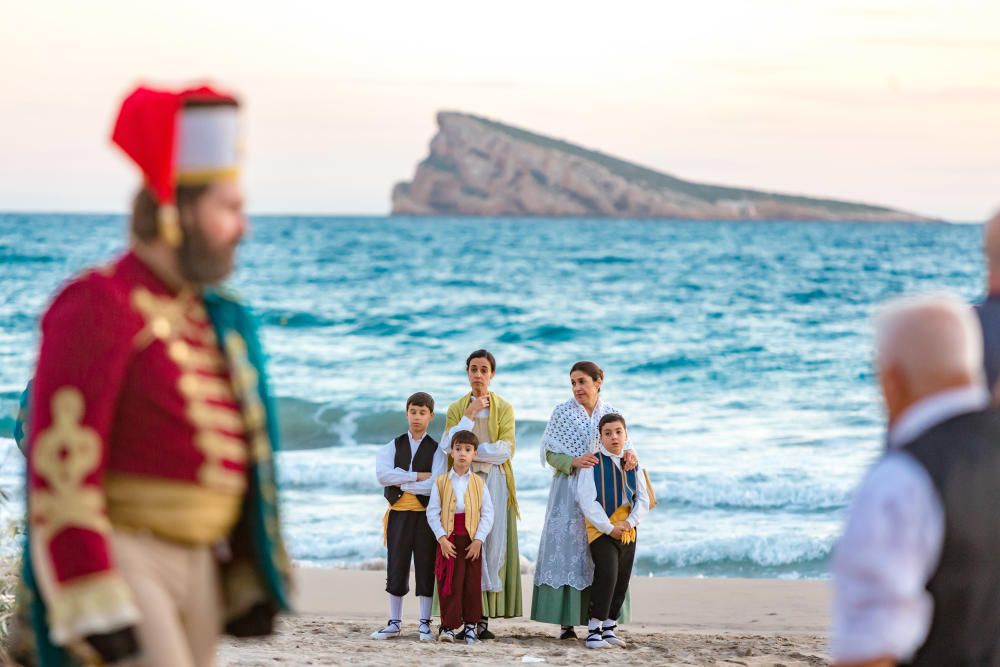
(989,318)
(962,457)
(422,462)
(613,486)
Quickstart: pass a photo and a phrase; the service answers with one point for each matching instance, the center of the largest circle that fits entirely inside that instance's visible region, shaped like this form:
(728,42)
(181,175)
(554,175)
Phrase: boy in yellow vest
(460,513)
(613,502)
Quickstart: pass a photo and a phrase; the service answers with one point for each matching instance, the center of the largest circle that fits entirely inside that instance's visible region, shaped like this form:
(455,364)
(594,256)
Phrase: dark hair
(611,418)
(465,438)
(482,354)
(145,207)
(588,368)
(421,399)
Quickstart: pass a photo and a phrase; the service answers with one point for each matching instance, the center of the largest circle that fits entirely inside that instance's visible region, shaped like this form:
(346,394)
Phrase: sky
(885,101)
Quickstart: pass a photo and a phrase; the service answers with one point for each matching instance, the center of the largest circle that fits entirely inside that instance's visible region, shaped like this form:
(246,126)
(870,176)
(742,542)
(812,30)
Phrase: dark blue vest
(989,317)
(613,486)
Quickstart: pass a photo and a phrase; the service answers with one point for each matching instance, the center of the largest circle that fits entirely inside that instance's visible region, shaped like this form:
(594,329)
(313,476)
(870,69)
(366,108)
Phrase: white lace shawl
(571,430)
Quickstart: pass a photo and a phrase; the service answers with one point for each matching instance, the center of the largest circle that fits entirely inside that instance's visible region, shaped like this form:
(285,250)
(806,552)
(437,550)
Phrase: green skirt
(505,603)
(568,606)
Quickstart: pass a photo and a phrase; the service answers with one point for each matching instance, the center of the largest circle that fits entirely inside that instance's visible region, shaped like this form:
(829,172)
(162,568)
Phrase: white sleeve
(485,516)
(496,453)
(424,488)
(586,498)
(891,544)
(464,424)
(385,470)
(434,513)
(641,507)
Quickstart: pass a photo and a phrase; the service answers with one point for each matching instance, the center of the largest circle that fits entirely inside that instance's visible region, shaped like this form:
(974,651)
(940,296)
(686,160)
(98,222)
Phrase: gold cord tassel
(169,225)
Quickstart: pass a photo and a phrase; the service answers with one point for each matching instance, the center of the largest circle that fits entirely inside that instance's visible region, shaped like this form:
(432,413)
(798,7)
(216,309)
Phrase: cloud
(930,42)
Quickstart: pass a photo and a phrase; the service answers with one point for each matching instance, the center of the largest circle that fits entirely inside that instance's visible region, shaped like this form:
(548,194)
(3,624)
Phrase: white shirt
(496,453)
(389,475)
(892,542)
(586,497)
(460,484)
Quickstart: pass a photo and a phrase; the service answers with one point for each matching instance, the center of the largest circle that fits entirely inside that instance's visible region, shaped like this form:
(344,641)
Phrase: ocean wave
(740,555)
(546,333)
(745,493)
(23,258)
(674,362)
(332,470)
(607,259)
(297,319)
(309,425)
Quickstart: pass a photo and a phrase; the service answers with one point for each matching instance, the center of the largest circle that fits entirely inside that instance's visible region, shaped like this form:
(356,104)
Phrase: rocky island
(480,167)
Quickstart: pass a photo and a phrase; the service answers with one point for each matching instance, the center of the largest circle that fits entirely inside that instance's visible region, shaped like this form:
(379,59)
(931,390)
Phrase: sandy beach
(676,621)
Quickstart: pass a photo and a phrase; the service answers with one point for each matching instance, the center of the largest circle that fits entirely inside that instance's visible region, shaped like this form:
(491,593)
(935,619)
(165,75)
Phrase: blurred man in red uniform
(152,506)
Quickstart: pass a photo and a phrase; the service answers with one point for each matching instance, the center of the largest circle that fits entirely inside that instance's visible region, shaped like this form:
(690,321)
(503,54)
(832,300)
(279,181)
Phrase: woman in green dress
(491,418)
(564,570)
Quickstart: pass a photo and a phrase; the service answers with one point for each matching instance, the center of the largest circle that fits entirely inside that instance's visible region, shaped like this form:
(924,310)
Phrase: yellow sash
(407,503)
(473,503)
(620,514)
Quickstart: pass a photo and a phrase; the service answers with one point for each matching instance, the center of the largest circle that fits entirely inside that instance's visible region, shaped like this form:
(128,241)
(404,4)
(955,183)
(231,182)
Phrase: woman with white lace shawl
(564,570)
(491,418)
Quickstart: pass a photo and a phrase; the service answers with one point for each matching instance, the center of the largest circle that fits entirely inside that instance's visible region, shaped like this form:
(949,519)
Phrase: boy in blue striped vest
(613,502)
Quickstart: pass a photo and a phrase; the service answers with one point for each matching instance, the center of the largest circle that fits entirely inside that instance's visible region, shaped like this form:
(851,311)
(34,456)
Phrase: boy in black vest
(613,503)
(406,467)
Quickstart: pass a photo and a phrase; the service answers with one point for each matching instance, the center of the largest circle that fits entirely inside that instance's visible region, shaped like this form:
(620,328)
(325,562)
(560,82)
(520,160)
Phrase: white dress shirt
(495,453)
(892,542)
(460,484)
(586,496)
(389,475)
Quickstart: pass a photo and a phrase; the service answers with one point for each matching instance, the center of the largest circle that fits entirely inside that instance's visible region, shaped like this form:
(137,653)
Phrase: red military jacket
(135,426)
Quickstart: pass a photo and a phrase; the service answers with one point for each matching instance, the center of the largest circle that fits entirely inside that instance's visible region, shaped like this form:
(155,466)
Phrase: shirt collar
(414,441)
(935,409)
(607,453)
(455,475)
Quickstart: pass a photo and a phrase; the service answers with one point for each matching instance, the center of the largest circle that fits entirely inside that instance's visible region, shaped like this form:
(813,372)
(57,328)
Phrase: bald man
(916,576)
(989,309)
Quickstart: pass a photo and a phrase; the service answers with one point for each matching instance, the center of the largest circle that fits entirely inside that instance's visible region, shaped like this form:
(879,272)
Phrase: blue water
(739,352)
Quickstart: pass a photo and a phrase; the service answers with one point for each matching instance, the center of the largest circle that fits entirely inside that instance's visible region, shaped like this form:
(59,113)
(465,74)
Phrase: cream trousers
(178,593)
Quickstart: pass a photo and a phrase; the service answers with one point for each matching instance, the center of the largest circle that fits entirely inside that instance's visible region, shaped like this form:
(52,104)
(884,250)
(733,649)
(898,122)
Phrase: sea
(739,352)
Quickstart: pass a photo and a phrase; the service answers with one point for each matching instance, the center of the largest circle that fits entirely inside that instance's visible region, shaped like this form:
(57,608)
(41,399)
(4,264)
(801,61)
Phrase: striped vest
(613,486)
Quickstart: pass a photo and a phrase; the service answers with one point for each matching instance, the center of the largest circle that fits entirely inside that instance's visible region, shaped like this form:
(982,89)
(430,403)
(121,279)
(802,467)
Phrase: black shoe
(483,631)
(568,632)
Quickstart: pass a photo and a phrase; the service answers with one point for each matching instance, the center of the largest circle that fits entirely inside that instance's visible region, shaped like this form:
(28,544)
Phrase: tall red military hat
(185,137)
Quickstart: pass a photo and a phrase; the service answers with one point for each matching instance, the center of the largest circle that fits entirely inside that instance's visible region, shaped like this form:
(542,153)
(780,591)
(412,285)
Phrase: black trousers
(409,536)
(612,572)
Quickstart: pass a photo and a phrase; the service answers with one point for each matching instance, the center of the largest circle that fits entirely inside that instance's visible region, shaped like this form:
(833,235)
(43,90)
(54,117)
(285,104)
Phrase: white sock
(395,607)
(425,606)
(594,624)
(610,623)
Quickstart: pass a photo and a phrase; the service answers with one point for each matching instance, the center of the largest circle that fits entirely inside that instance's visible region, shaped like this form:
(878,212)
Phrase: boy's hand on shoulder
(474,549)
(447,548)
(421,476)
(630,460)
(587,460)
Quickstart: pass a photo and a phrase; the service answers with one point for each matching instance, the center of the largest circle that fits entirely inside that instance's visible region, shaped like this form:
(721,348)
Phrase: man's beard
(202,264)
